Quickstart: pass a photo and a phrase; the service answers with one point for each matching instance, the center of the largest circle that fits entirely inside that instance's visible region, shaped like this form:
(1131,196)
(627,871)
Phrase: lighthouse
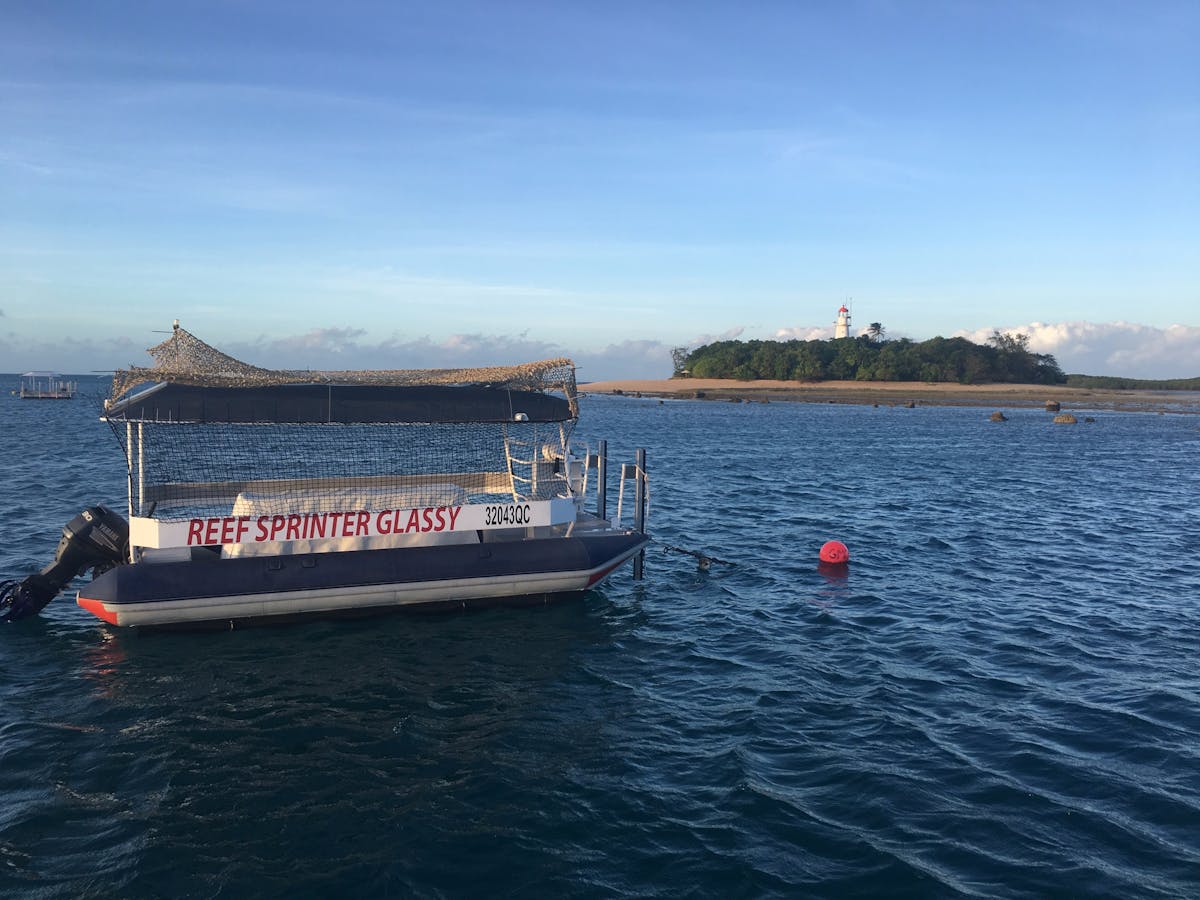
(841,327)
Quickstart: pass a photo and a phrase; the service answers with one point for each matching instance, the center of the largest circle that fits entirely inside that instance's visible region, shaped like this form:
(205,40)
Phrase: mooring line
(704,559)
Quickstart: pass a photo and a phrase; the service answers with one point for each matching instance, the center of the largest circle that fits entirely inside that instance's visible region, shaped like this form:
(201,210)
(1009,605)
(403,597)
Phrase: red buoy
(834,552)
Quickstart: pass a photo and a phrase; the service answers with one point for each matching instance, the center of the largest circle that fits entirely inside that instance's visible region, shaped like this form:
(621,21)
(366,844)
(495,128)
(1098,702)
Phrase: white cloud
(343,348)
(353,348)
(628,359)
(728,334)
(1124,349)
(1109,348)
(805,333)
(71,355)
(321,340)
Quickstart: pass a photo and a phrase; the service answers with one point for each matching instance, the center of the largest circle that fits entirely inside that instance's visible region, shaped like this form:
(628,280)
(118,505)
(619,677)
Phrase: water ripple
(997,700)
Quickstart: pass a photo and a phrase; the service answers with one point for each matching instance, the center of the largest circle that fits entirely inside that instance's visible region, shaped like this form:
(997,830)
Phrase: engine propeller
(96,539)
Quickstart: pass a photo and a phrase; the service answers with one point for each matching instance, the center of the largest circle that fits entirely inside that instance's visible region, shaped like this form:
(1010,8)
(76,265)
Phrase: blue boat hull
(223,592)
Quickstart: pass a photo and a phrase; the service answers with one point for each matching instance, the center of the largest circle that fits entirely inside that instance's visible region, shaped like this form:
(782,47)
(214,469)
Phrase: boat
(259,495)
(45,386)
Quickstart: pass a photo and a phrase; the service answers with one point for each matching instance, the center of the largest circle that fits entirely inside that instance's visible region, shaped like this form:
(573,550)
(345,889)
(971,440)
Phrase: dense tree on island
(1005,358)
(1116,383)
(679,357)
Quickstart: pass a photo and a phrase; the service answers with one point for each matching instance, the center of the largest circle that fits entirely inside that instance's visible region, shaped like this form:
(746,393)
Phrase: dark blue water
(1000,700)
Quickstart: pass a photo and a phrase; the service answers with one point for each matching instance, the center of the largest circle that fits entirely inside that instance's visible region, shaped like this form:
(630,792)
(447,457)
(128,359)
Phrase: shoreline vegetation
(1004,359)
(902,393)
(872,370)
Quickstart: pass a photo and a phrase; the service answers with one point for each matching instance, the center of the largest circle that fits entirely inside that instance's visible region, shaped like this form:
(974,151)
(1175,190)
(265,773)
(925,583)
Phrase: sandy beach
(895,393)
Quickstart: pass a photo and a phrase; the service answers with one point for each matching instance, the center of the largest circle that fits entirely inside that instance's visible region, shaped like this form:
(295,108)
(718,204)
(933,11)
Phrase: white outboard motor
(96,539)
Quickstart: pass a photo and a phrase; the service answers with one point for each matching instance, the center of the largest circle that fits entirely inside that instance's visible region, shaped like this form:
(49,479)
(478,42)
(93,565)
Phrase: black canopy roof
(337,403)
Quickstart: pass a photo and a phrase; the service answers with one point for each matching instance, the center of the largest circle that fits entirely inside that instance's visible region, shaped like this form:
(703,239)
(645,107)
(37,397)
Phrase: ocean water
(999,699)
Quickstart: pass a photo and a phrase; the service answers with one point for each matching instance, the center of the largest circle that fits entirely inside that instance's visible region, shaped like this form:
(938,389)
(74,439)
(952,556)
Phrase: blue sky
(410,184)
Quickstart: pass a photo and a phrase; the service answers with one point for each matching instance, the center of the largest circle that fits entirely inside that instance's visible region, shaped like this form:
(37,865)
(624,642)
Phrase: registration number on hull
(507,514)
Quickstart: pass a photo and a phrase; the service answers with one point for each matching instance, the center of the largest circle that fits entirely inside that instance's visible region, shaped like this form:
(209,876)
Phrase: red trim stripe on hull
(96,608)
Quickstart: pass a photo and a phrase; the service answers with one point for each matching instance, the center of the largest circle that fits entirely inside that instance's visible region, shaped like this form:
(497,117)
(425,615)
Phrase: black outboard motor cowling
(96,539)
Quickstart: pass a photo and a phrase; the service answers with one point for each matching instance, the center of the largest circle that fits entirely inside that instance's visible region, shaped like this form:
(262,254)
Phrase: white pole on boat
(602,480)
(141,471)
(129,467)
(639,511)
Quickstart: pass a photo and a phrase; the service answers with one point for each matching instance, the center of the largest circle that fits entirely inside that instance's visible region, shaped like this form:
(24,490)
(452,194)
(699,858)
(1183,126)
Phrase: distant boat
(46,386)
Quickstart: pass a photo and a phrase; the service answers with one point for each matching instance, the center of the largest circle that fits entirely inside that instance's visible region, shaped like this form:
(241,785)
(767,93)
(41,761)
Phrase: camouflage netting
(185,359)
(180,470)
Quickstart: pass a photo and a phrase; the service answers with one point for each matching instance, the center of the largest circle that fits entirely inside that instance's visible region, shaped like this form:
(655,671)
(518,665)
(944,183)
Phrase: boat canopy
(194,382)
(308,404)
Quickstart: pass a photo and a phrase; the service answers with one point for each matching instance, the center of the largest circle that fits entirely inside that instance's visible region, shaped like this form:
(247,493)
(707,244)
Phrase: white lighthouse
(841,328)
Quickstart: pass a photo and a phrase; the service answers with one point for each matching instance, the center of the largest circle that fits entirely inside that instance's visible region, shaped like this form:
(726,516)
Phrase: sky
(395,185)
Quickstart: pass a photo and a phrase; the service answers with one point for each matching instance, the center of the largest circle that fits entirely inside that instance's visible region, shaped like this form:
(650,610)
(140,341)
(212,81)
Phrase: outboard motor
(96,539)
